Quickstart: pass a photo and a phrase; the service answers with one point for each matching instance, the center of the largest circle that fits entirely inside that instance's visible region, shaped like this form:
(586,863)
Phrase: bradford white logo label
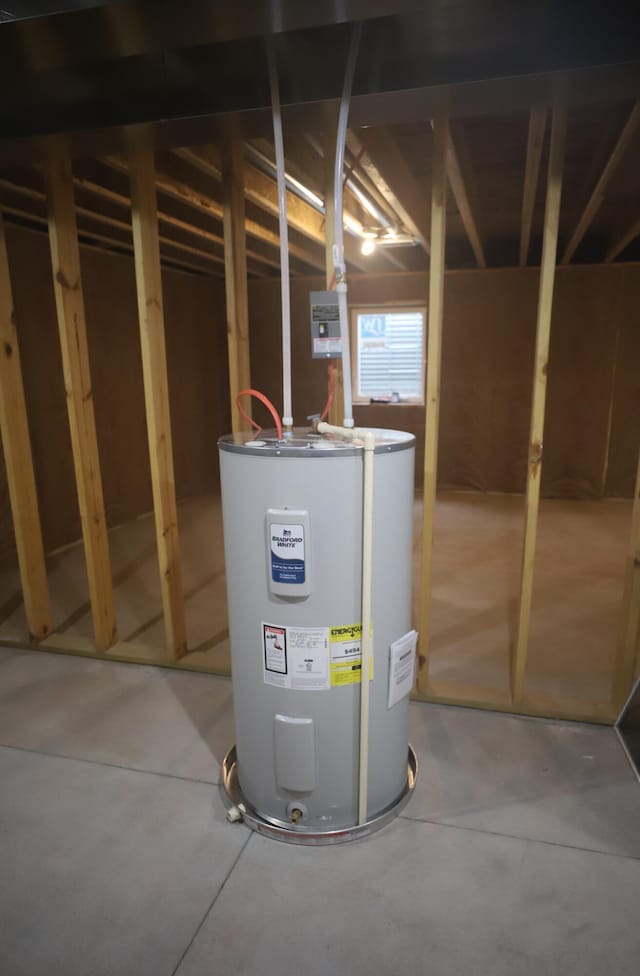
(287,553)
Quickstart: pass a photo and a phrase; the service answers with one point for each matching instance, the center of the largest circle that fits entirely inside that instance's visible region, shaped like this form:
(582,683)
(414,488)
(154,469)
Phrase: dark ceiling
(116,64)
(104,72)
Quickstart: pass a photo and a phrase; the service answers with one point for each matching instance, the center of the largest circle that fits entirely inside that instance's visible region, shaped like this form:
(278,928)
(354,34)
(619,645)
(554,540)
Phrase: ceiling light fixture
(368,246)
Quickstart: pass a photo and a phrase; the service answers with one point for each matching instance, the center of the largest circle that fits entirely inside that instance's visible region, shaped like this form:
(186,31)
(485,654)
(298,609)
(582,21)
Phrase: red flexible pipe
(268,404)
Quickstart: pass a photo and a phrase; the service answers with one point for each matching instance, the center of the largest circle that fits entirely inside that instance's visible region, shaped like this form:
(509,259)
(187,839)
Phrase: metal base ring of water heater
(281,830)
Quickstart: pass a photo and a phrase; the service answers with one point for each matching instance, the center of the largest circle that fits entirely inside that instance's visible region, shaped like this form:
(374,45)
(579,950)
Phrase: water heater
(292,514)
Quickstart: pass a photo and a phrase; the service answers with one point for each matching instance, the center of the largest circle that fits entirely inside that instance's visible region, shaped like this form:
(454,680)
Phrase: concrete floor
(476,579)
(518,854)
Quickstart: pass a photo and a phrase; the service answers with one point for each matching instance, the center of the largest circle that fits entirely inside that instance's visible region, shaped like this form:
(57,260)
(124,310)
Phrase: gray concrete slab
(421,898)
(125,715)
(104,871)
(559,782)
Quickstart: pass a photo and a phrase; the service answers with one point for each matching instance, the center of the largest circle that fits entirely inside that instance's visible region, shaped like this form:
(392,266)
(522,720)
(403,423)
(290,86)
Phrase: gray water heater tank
(292,513)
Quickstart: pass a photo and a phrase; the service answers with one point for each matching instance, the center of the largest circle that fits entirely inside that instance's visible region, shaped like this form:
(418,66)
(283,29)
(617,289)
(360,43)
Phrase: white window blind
(390,353)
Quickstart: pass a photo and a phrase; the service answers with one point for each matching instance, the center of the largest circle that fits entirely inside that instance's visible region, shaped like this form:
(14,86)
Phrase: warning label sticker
(296,657)
(274,643)
(346,655)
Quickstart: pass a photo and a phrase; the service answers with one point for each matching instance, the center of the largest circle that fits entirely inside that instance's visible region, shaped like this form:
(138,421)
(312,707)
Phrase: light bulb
(368,246)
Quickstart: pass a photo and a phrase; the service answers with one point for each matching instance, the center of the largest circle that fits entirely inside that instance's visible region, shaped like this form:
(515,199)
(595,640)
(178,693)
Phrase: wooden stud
(444,693)
(543,331)
(432,394)
(19,463)
(236,277)
(67,282)
(535,141)
(627,642)
(461,197)
(156,392)
(595,200)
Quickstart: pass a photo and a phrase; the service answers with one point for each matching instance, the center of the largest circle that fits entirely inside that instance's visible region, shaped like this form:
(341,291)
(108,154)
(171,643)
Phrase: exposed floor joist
(125,245)
(620,243)
(459,189)
(597,196)
(183,193)
(122,200)
(381,160)
(262,191)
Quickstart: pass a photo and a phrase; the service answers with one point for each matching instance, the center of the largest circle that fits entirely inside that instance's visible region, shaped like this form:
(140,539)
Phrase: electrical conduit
(368,444)
(338,245)
(287,418)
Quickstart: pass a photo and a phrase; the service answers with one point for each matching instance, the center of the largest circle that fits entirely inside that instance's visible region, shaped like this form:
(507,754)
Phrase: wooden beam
(627,641)
(67,283)
(432,394)
(535,141)
(461,197)
(156,393)
(543,332)
(21,480)
(108,221)
(595,200)
(106,244)
(186,195)
(261,190)
(623,241)
(236,276)
(385,166)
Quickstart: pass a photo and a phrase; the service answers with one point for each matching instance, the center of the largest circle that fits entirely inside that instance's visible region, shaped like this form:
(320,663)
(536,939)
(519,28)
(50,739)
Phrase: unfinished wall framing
(152,353)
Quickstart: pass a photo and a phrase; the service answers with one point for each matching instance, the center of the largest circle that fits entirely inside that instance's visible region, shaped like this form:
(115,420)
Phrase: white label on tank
(309,652)
(402,655)
(287,553)
(296,657)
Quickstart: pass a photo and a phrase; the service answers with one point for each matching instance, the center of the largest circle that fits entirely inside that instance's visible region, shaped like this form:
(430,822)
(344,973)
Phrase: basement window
(388,354)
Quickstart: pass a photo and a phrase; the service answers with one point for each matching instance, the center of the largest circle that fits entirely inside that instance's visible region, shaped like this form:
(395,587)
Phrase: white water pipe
(366,641)
(338,239)
(287,417)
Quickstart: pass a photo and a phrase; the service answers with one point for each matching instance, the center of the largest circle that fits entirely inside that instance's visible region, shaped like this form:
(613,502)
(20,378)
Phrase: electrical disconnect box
(325,325)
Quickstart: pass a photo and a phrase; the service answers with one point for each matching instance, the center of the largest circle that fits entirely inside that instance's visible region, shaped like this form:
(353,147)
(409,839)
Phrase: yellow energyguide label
(345,655)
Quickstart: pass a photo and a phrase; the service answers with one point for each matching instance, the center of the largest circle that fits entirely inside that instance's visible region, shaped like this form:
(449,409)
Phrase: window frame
(385,308)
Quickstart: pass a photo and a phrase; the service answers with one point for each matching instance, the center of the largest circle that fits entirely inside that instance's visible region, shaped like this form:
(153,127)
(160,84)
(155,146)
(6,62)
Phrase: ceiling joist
(379,157)
(620,243)
(459,188)
(183,193)
(595,200)
(102,242)
(262,192)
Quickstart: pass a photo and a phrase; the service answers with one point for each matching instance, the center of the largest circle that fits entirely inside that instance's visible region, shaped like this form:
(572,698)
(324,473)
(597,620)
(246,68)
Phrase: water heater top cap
(306,443)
